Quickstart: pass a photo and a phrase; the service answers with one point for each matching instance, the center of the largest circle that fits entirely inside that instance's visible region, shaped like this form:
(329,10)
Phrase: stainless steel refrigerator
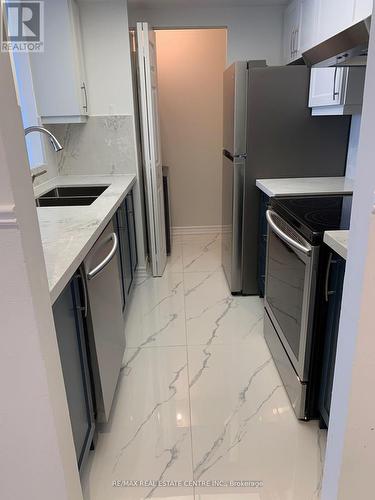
(268,133)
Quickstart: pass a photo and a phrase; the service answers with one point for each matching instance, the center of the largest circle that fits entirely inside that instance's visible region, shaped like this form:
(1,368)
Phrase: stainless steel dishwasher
(105,321)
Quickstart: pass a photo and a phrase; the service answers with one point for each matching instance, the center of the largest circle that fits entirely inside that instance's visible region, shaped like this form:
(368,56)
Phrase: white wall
(190,76)
(26,100)
(37,457)
(105,35)
(253,32)
(349,466)
(357,466)
(106,47)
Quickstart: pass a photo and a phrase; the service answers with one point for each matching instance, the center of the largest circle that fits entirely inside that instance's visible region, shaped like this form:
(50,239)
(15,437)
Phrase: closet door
(151,146)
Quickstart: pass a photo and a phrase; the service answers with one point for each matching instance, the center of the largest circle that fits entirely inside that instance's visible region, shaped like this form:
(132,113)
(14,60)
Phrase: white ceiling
(202,3)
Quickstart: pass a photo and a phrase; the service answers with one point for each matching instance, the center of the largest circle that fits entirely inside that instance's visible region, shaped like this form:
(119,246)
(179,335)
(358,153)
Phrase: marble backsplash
(103,145)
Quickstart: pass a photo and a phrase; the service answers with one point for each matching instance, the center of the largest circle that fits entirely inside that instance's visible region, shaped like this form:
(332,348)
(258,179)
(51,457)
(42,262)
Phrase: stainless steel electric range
(296,280)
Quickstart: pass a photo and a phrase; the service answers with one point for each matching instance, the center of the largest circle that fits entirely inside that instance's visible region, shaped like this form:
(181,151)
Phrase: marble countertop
(306,186)
(68,233)
(338,241)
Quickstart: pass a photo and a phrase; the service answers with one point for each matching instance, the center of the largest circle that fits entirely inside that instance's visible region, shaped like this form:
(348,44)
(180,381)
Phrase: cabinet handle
(83,87)
(335,94)
(293,48)
(291,44)
(294,32)
(296,41)
(328,272)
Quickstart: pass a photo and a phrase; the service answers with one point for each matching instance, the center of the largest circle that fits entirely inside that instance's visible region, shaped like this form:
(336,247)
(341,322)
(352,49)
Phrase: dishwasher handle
(99,268)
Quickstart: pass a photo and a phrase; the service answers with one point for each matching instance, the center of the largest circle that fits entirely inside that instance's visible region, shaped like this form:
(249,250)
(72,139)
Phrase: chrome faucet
(55,143)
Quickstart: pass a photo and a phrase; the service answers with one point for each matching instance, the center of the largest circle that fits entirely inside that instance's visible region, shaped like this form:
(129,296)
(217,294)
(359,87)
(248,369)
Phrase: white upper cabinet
(291,36)
(309,24)
(336,91)
(334,16)
(58,72)
(363,9)
(326,86)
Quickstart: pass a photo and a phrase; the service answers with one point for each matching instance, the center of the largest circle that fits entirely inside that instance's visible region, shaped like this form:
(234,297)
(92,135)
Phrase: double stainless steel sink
(64,196)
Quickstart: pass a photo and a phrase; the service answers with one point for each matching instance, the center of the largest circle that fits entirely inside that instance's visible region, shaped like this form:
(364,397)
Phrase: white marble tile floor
(200,403)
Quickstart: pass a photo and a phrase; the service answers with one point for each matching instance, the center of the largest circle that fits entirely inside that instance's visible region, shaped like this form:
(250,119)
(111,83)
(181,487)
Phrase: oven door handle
(285,237)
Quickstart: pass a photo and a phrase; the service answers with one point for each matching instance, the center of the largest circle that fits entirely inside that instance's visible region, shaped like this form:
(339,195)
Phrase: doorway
(190,66)
(190,78)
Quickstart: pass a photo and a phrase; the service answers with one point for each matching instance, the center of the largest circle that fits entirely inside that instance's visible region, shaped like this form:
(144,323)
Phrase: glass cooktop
(312,215)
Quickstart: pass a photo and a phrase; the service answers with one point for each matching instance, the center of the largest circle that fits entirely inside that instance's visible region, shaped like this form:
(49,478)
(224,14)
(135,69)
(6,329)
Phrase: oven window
(285,284)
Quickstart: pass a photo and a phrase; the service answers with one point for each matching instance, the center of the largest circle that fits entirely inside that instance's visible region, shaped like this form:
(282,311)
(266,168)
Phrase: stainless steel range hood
(347,48)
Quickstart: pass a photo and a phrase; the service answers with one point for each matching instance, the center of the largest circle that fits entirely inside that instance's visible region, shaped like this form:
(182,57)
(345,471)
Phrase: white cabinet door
(79,59)
(363,9)
(326,86)
(58,72)
(334,16)
(291,37)
(337,91)
(309,24)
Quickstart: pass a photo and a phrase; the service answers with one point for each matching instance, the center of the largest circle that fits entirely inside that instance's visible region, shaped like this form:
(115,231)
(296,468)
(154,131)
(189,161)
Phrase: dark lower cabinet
(132,233)
(67,312)
(262,243)
(333,297)
(125,228)
(125,252)
(116,224)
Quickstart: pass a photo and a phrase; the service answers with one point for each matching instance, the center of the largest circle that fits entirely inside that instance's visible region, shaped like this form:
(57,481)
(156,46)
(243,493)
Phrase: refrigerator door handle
(228,155)
(231,157)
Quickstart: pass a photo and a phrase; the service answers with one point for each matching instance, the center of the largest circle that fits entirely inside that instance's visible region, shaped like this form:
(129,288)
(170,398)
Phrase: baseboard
(182,230)
(142,272)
